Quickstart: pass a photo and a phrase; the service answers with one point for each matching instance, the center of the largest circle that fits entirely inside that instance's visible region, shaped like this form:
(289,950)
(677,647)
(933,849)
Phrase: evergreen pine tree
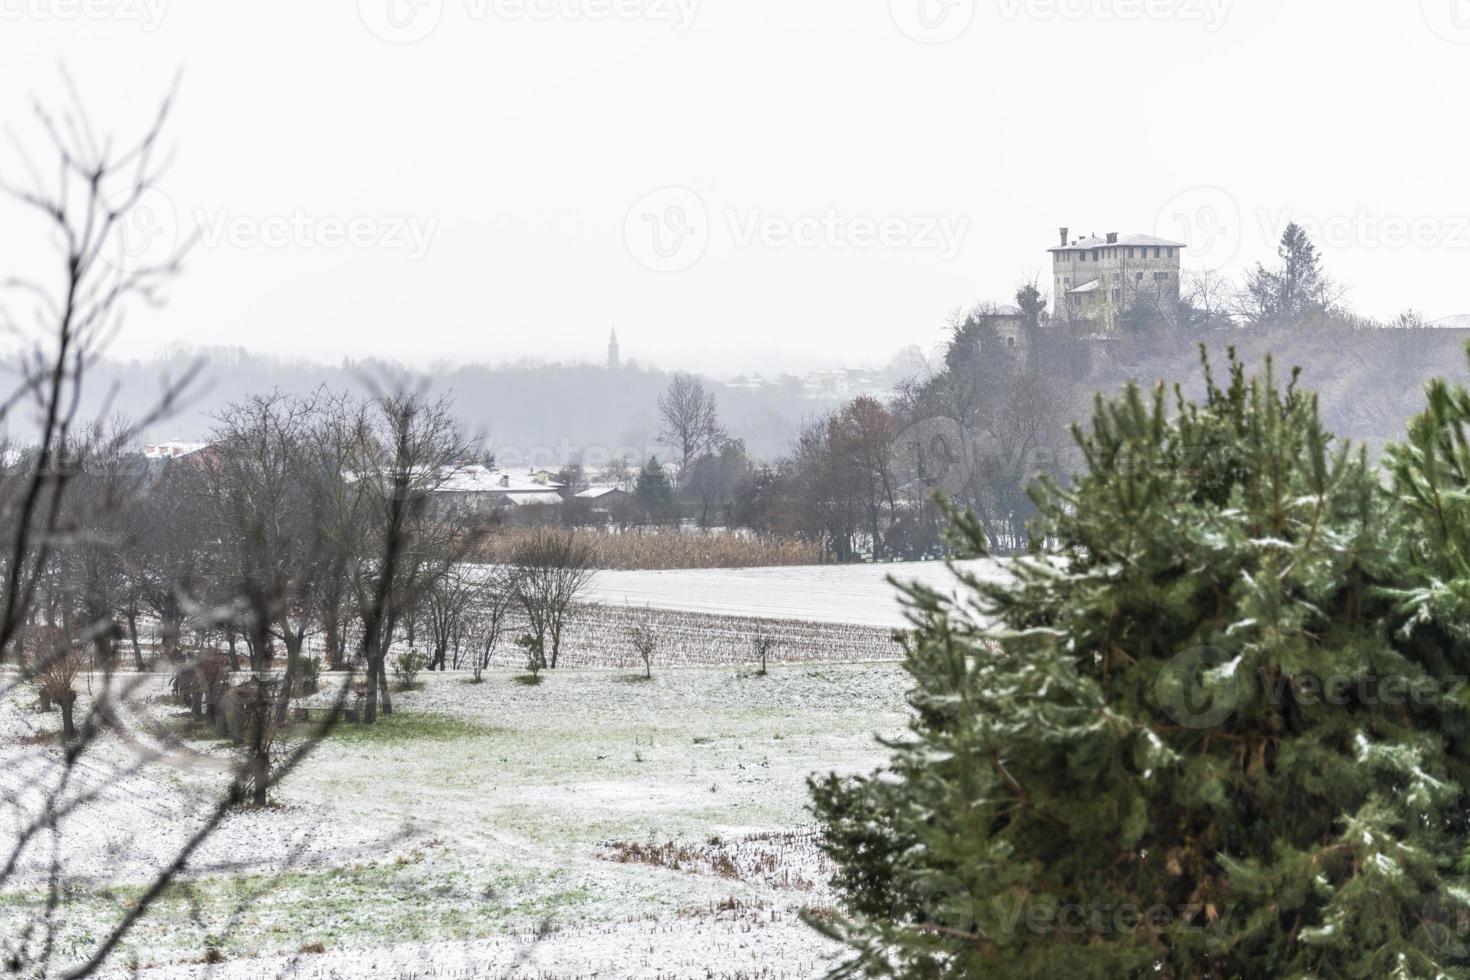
(1180,742)
(654,490)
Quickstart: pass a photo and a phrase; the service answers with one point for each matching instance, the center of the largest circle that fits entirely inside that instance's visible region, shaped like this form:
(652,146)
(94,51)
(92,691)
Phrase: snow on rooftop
(173,450)
(1125,241)
(482,479)
(597,493)
(1457,321)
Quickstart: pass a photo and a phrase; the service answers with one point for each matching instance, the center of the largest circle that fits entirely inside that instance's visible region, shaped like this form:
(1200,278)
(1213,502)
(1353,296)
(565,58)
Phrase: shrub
(666,548)
(310,674)
(535,654)
(644,639)
(55,668)
(1133,728)
(763,645)
(407,665)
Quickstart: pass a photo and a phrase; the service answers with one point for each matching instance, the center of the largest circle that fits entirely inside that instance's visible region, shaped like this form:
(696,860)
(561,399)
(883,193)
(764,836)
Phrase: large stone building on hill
(1097,280)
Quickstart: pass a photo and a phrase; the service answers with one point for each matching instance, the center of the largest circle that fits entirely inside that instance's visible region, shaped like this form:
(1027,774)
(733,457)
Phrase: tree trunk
(133,636)
(383,690)
(68,724)
(259,781)
(370,707)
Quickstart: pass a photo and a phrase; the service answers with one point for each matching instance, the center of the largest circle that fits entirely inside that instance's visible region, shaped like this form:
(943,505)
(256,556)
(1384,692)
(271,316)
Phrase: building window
(1097,255)
(1010,341)
(1140,277)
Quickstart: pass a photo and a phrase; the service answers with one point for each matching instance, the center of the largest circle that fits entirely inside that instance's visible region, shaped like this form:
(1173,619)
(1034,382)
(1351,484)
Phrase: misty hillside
(525,407)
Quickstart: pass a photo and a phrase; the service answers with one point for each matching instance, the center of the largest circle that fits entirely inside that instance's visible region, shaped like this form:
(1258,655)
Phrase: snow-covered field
(596,825)
(859,595)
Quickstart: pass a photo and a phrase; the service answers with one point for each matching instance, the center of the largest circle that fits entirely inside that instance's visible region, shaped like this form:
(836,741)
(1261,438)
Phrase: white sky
(521,143)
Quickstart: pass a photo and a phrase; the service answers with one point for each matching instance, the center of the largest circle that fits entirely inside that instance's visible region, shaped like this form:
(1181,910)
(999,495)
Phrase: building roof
(534,498)
(1091,286)
(597,493)
(1000,310)
(1092,241)
(173,450)
(1457,321)
(482,479)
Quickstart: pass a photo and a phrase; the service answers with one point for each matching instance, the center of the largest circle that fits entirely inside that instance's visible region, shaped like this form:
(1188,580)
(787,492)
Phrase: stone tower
(614,361)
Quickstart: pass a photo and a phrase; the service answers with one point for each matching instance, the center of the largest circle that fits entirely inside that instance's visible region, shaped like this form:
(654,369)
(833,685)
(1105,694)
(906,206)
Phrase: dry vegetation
(599,636)
(649,549)
(784,859)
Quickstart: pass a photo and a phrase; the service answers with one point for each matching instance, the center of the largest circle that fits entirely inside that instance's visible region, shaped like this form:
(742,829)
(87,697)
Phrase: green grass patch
(341,907)
(405,726)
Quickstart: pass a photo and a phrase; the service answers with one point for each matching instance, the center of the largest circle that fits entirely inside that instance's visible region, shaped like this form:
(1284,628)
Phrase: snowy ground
(859,595)
(596,825)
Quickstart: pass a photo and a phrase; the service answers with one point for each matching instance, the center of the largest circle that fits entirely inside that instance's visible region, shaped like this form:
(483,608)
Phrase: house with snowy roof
(480,490)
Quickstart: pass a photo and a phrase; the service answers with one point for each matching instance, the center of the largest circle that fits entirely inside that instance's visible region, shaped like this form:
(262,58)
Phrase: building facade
(1095,280)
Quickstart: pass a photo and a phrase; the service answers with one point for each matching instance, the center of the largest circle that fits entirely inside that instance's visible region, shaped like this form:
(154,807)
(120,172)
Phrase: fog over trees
(555,408)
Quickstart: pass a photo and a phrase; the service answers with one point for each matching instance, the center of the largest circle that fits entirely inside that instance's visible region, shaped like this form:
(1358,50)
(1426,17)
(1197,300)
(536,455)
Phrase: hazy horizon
(738,186)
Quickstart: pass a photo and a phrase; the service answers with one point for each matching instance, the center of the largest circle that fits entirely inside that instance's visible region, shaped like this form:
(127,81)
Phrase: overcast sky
(744,184)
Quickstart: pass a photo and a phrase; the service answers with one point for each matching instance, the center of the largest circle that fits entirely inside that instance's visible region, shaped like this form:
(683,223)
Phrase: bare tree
(89,193)
(448,605)
(763,645)
(411,447)
(497,596)
(552,567)
(689,420)
(644,638)
(257,482)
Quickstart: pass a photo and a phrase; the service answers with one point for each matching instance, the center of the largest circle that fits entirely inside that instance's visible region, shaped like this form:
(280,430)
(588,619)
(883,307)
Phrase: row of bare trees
(306,519)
